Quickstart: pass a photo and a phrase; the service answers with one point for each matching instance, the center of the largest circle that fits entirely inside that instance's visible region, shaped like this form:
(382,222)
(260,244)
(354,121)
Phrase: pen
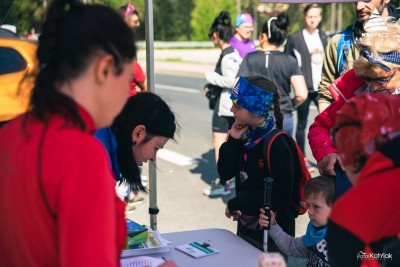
(164,258)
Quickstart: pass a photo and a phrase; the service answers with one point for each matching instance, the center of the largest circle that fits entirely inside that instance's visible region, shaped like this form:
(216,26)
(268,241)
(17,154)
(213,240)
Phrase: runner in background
(223,77)
(307,45)
(131,17)
(241,40)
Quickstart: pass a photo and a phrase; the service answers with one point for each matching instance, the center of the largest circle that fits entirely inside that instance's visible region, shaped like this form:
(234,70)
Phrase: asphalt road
(182,177)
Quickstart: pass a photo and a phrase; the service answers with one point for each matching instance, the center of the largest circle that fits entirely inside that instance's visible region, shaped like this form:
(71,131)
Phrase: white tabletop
(234,251)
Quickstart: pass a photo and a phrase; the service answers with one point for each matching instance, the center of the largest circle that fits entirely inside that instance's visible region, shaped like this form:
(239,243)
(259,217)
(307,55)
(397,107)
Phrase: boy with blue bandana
(320,194)
(242,157)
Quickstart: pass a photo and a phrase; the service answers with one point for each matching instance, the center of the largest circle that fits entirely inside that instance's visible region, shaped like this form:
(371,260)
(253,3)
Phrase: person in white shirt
(307,45)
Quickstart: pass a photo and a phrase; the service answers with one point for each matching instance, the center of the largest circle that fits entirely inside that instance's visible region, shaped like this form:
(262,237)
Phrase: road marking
(177,89)
(194,91)
(175,158)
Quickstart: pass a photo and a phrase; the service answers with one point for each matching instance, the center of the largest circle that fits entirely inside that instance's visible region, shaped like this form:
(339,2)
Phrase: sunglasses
(381,81)
(335,129)
(250,28)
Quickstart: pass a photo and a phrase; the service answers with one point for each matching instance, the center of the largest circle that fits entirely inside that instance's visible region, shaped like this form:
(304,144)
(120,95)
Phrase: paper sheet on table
(197,249)
(141,261)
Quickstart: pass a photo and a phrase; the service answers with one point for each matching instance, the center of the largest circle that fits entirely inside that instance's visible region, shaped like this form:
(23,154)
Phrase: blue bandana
(378,58)
(252,98)
(314,235)
(252,137)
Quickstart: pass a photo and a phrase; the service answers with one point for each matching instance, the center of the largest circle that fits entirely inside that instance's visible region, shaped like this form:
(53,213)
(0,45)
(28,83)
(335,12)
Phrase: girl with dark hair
(143,127)
(278,67)
(242,157)
(223,77)
(59,206)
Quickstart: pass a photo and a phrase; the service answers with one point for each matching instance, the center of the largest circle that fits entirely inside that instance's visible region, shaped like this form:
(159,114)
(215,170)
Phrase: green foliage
(174,20)
(22,13)
(184,16)
(204,14)
(165,23)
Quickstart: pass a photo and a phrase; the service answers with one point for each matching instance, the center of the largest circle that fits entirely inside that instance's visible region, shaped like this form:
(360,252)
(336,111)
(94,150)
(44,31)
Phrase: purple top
(243,47)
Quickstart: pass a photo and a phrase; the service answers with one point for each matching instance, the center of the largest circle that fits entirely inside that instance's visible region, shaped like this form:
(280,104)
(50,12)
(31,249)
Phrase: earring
(133,142)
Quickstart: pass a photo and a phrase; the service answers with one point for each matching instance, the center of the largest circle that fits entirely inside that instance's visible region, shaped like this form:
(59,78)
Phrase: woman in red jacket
(365,220)
(58,204)
(375,71)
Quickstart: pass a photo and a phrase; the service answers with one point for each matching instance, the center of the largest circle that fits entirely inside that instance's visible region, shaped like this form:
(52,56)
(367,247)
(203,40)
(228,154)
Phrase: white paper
(141,261)
(197,249)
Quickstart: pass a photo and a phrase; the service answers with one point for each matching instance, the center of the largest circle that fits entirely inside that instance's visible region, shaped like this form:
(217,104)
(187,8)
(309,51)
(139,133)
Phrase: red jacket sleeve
(319,132)
(342,89)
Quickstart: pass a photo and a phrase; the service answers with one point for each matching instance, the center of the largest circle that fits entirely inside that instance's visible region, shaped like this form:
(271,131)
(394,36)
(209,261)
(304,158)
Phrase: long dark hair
(276,28)
(222,26)
(269,86)
(146,109)
(71,35)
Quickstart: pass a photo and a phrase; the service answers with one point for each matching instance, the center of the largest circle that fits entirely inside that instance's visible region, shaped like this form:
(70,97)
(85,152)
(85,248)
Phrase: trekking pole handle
(267,211)
(267,200)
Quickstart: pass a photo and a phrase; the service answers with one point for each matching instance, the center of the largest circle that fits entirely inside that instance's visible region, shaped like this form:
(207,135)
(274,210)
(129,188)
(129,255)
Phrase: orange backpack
(301,168)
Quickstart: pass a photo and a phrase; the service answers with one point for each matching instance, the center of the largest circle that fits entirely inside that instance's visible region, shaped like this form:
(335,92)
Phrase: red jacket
(58,203)
(368,213)
(342,89)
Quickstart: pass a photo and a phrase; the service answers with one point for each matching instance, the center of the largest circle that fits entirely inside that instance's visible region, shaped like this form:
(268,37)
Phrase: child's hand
(168,264)
(238,130)
(232,214)
(263,220)
(272,259)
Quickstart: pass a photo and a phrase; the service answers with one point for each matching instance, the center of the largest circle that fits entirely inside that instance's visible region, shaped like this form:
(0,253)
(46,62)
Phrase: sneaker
(217,190)
(144,180)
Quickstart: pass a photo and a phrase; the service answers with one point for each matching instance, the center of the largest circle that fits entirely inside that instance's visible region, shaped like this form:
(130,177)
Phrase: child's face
(319,211)
(245,117)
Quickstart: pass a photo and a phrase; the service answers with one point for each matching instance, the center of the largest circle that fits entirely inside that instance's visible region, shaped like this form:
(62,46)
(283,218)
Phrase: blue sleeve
(108,139)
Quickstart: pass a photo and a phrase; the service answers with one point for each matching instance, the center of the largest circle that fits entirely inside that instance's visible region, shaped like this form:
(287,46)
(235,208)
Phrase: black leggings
(302,114)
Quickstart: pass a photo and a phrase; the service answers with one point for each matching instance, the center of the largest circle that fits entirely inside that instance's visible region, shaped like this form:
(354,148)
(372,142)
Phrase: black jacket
(296,42)
(250,192)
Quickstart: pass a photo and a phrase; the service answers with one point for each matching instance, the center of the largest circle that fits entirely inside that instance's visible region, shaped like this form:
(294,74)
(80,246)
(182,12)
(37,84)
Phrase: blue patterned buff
(252,98)
(379,58)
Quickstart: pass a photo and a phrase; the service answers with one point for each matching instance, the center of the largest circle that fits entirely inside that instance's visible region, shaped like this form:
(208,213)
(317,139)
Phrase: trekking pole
(267,208)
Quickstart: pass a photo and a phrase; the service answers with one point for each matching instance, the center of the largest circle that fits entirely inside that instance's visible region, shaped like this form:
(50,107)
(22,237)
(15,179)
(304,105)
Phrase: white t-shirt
(316,50)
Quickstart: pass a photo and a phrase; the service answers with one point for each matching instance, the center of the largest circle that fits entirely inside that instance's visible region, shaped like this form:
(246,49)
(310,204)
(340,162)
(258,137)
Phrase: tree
(184,16)
(164,20)
(204,14)
(23,14)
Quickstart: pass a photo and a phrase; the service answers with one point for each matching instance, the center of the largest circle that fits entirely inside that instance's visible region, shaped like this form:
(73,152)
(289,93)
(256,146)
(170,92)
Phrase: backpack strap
(344,46)
(300,166)
(269,139)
